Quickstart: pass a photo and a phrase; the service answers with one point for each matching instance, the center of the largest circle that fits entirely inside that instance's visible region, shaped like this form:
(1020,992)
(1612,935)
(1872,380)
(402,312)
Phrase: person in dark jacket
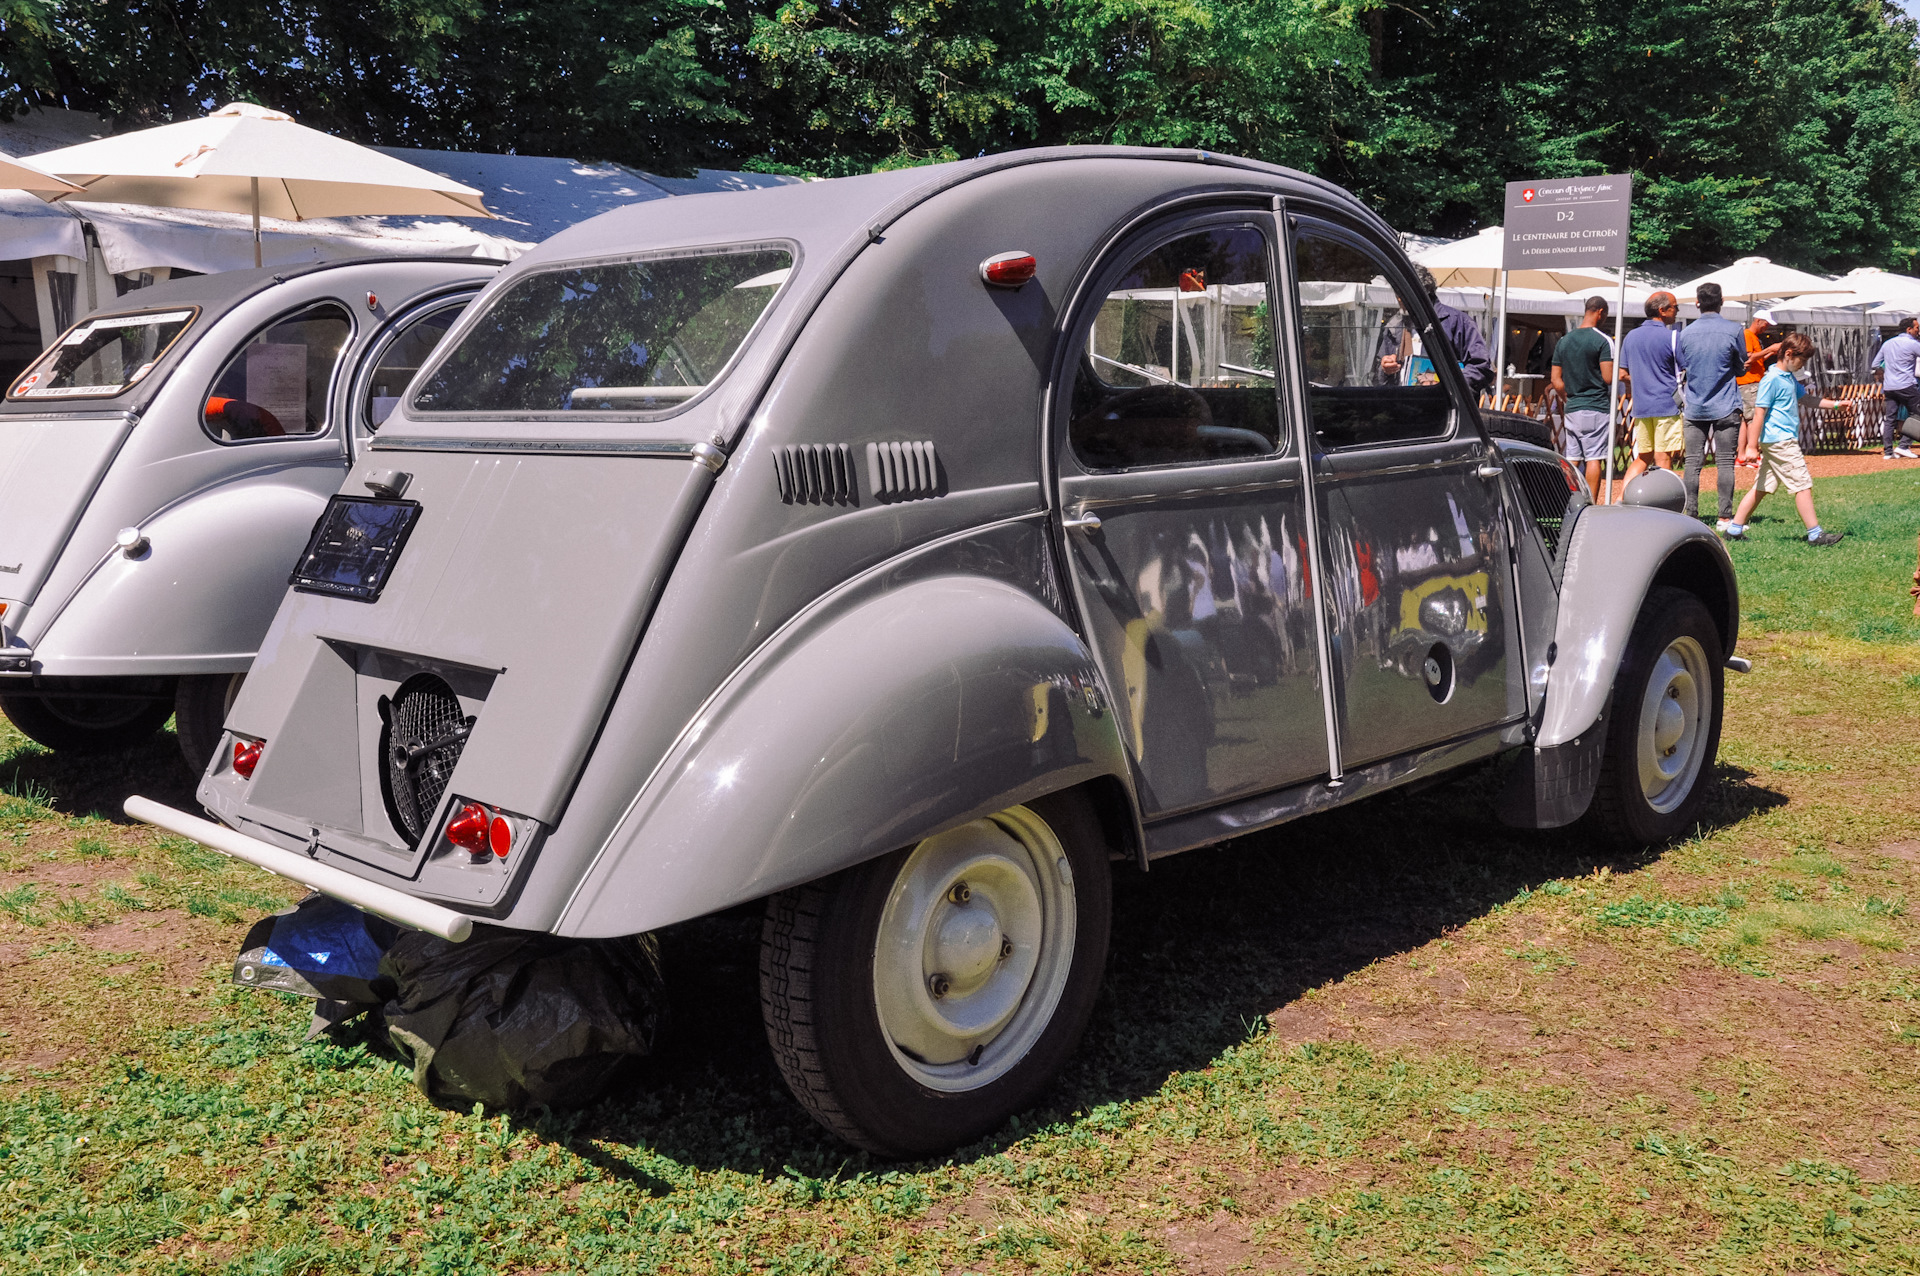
(1463,337)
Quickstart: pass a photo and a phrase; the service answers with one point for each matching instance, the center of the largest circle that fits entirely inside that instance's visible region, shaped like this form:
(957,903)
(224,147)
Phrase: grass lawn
(1392,1039)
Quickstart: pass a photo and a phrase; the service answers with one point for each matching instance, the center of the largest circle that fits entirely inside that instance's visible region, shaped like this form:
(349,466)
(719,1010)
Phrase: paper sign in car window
(277,381)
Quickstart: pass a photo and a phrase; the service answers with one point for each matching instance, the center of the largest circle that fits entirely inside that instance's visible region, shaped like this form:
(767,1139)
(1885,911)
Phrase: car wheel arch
(851,719)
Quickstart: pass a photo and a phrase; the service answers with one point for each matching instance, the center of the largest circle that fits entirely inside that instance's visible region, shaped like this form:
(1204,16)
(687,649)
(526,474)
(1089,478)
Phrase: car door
(1418,592)
(1181,492)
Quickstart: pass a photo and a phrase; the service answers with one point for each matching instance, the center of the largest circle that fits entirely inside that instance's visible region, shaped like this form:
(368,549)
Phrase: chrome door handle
(1086,523)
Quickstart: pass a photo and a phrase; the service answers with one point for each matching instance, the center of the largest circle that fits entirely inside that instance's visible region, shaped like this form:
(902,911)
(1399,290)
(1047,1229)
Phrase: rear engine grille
(422,733)
(1546,490)
(903,471)
(814,474)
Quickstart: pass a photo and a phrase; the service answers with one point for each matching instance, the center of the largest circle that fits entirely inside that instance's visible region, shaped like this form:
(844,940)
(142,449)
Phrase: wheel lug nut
(960,892)
(1006,948)
(938,984)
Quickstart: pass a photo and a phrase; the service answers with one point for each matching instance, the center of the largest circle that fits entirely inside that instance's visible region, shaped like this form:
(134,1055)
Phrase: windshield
(101,357)
(631,336)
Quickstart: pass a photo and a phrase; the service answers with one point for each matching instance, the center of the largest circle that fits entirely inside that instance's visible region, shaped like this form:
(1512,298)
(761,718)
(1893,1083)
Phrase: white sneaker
(1906,453)
(1721,525)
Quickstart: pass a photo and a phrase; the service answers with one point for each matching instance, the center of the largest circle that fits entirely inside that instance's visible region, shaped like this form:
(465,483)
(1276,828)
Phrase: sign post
(1566,223)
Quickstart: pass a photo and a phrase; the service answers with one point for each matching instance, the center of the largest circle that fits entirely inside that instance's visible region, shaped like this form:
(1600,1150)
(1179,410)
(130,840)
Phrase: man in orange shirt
(1749,382)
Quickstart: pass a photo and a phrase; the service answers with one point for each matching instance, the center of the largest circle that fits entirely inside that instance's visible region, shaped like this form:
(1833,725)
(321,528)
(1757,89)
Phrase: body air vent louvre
(1543,486)
(814,474)
(422,733)
(903,471)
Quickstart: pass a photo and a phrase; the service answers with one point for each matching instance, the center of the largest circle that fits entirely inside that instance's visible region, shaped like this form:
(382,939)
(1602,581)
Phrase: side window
(277,384)
(405,351)
(1177,363)
(1370,377)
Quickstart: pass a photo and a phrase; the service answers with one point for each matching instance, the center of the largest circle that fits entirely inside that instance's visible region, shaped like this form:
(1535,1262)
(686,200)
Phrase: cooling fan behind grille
(421,735)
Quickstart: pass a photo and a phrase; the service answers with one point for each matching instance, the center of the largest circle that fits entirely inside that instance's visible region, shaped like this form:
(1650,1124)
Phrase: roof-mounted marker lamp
(1008,270)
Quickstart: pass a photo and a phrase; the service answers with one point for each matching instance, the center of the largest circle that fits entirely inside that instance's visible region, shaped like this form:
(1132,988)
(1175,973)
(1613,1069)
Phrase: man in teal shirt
(1781,464)
(1582,373)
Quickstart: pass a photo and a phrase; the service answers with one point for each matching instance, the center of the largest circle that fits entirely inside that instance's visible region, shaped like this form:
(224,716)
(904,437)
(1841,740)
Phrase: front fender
(911,712)
(1618,553)
(198,599)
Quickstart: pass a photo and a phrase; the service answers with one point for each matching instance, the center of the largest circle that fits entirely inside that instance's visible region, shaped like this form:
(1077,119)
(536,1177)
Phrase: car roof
(830,212)
(215,295)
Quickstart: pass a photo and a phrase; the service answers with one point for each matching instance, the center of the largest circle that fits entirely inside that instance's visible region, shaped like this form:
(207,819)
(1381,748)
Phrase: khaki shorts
(1749,395)
(1658,434)
(1783,465)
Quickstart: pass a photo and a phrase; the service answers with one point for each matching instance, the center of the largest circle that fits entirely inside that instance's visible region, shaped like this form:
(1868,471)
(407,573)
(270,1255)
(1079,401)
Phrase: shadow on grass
(1204,946)
(80,785)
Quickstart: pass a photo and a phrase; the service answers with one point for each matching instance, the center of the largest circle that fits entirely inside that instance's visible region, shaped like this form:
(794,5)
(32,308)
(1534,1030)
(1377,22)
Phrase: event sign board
(1562,223)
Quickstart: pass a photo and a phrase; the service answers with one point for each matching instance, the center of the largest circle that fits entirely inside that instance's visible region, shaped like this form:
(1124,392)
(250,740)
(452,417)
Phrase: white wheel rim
(1674,711)
(966,978)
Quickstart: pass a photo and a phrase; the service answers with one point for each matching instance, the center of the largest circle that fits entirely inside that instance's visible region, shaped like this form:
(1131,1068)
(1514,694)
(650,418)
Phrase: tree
(630,81)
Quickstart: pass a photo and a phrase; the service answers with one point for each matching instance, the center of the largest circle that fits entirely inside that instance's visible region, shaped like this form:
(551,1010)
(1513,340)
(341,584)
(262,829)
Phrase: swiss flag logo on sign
(1526,196)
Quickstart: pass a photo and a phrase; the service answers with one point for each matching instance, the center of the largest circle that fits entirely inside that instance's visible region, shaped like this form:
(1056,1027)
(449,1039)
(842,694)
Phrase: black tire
(1525,429)
(124,715)
(823,1018)
(200,707)
(1623,809)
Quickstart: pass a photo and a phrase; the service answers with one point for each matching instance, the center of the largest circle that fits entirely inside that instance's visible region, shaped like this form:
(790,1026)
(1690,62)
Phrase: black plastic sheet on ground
(515,1020)
(511,1019)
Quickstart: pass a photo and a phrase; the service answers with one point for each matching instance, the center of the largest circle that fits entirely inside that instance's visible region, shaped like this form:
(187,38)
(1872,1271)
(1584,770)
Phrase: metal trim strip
(674,449)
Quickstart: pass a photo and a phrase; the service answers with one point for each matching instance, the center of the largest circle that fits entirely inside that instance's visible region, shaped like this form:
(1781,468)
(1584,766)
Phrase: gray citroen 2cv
(900,551)
(160,468)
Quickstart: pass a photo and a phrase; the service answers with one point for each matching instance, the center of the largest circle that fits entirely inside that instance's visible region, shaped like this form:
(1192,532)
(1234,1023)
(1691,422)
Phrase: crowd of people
(1717,385)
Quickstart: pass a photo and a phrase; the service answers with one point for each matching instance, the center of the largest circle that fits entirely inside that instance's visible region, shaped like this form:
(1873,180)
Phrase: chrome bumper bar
(381,901)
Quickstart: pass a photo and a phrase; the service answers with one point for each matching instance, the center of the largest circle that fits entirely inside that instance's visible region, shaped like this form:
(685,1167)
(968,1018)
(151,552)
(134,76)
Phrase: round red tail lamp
(468,828)
(500,836)
(1008,270)
(246,756)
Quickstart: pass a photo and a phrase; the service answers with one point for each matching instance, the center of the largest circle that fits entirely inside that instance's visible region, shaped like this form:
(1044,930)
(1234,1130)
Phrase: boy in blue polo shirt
(1777,407)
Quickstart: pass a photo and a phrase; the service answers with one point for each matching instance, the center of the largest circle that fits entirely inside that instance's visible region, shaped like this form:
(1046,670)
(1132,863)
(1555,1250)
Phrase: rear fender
(1618,553)
(864,728)
(198,597)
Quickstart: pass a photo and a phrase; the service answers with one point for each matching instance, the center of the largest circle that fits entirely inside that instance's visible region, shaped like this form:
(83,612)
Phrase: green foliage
(1789,130)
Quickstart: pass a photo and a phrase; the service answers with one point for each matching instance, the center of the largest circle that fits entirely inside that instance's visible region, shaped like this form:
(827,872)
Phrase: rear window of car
(641,335)
(105,356)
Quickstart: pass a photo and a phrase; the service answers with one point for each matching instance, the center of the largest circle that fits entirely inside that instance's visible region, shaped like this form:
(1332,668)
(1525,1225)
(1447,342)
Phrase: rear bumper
(382,901)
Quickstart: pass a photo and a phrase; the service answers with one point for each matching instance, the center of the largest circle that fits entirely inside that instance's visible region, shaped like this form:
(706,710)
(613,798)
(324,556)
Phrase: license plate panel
(354,546)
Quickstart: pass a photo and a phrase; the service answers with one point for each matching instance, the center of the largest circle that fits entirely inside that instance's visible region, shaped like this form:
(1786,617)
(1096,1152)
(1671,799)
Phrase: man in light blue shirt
(1898,382)
(1714,350)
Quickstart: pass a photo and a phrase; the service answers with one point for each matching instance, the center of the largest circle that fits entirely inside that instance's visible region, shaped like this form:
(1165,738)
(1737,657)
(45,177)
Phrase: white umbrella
(1753,278)
(1475,263)
(18,176)
(246,158)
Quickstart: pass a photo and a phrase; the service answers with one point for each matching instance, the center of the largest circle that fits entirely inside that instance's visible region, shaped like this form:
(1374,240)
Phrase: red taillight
(468,828)
(246,756)
(1008,270)
(500,836)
